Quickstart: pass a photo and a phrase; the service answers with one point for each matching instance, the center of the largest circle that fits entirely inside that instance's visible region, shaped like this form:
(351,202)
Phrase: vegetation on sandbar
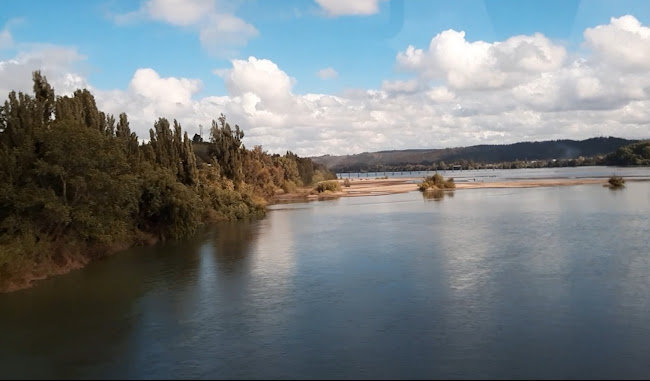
(328,186)
(436,182)
(616,181)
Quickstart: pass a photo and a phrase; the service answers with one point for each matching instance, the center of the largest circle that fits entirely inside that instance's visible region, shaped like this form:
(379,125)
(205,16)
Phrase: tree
(226,148)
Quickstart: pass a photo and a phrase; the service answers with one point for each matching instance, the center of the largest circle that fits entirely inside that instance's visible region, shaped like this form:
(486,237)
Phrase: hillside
(630,155)
(546,150)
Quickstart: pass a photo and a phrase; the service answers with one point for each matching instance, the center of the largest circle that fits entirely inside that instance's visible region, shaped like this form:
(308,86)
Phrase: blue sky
(114,39)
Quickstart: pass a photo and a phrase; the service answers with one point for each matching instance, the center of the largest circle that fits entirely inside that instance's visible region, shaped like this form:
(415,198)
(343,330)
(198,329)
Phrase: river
(492,175)
(482,283)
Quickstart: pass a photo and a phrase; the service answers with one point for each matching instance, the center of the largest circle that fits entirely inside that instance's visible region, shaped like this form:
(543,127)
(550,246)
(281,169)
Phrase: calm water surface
(491,175)
(485,283)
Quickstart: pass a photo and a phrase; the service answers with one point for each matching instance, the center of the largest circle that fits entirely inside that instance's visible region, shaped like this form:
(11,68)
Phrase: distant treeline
(519,155)
(76,183)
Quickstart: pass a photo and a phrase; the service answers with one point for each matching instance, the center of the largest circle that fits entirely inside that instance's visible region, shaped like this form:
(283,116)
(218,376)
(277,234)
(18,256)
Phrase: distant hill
(546,150)
(630,155)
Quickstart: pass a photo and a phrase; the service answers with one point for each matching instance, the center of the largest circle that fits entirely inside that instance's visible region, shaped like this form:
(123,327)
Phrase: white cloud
(223,32)
(180,12)
(460,93)
(347,7)
(220,32)
(410,86)
(260,77)
(6,41)
(441,94)
(482,65)
(327,73)
(147,82)
(623,43)
(60,64)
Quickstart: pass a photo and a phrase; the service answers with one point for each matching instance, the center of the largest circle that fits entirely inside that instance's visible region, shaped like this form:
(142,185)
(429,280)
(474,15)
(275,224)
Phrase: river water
(484,283)
(492,175)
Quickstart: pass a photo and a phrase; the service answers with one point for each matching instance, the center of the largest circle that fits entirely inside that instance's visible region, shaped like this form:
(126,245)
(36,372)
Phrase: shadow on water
(83,323)
(72,324)
(437,195)
(232,243)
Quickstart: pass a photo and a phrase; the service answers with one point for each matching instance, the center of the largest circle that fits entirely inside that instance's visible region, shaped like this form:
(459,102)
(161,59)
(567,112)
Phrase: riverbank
(63,258)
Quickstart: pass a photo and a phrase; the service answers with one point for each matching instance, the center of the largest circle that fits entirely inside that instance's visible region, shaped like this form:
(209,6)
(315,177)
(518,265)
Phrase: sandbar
(376,187)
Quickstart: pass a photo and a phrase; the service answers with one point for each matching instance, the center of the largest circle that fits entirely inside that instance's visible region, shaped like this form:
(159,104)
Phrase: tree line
(76,182)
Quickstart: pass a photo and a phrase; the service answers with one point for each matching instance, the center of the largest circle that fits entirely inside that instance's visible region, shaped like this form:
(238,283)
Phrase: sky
(342,77)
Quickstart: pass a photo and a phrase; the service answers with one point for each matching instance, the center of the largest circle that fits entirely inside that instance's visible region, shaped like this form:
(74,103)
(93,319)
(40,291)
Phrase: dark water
(489,283)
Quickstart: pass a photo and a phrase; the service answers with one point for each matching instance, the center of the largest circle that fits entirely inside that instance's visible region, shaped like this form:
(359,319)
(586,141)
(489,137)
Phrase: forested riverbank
(77,184)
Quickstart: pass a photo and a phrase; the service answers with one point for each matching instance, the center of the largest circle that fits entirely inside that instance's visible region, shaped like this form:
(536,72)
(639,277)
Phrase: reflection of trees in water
(437,195)
(232,240)
(86,318)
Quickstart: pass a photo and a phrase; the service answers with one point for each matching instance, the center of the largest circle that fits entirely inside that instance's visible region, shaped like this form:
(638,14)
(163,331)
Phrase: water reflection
(437,194)
(232,243)
(516,283)
(76,325)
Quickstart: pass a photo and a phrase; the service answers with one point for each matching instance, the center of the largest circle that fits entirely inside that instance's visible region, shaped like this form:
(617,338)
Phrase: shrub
(289,186)
(437,182)
(330,185)
(346,183)
(616,181)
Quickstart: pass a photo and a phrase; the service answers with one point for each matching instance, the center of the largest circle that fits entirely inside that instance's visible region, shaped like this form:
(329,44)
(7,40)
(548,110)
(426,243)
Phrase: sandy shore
(392,186)
(375,187)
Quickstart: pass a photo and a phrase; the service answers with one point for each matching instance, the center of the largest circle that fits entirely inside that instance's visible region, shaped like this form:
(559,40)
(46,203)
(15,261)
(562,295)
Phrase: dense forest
(548,153)
(630,155)
(77,183)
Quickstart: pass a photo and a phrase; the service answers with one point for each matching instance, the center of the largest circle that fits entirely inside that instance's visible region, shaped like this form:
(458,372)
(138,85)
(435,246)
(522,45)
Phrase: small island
(616,182)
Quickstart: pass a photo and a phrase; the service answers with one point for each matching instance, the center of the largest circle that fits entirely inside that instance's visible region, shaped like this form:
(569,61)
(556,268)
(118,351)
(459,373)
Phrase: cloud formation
(220,31)
(327,73)
(622,43)
(480,65)
(61,65)
(336,8)
(457,93)
(6,40)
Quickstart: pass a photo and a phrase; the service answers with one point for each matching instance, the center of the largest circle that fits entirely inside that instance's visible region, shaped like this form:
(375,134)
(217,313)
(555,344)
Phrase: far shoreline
(382,187)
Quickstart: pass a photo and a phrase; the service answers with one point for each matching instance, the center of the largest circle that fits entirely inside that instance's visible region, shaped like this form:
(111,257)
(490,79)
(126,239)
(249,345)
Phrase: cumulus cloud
(260,78)
(459,93)
(61,65)
(220,32)
(147,83)
(397,86)
(346,7)
(482,65)
(327,73)
(623,43)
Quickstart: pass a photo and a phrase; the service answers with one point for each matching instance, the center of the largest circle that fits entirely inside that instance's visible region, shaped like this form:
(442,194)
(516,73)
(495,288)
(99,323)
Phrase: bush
(346,183)
(616,181)
(331,185)
(437,182)
(289,186)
